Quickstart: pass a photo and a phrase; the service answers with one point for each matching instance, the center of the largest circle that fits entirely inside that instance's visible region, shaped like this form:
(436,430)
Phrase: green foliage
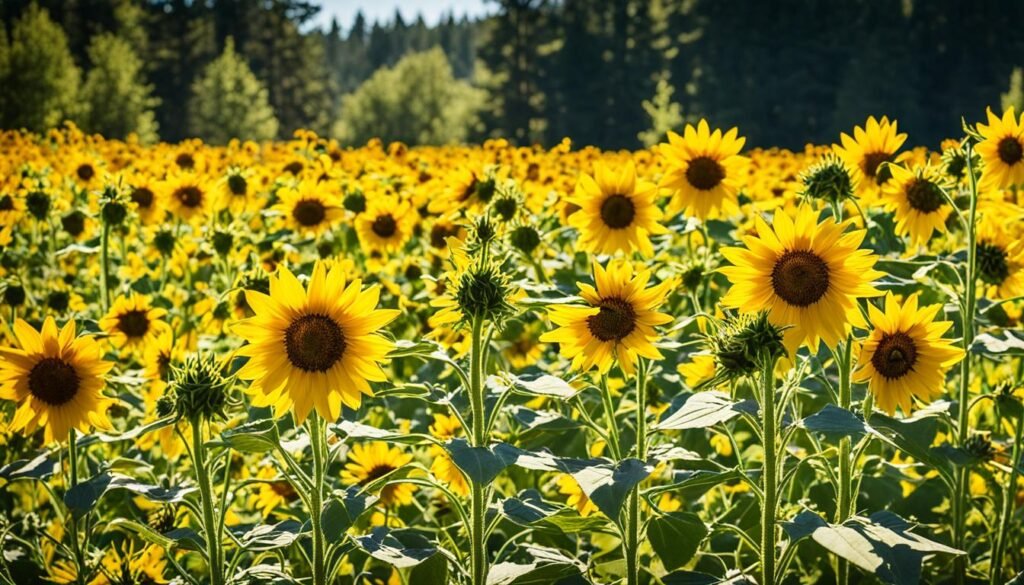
(664,113)
(116,98)
(229,102)
(39,78)
(418,101)
(1014,96)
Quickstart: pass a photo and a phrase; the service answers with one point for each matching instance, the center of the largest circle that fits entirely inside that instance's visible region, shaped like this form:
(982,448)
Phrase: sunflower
(1000,260)
(918,201)
(385,226)
(84,171)
(186,195)
(867,149)
(905,356)
(1002,150)
(616,212)
(57,378)
(617,322)
(132,321)
(317,347)
(808,275)
(445,428)
(308,207)
(274,492)
(704,170)
(577,498)
(369,461)
(143,193)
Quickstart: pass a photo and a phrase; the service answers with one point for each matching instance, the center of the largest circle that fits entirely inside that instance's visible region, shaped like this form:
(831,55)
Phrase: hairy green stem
(478,492)
(210,525)
(843,510)
(769,474)
(1006,514)
(633,520)
(317,444)
(967,307)
(104,271)
(609,415)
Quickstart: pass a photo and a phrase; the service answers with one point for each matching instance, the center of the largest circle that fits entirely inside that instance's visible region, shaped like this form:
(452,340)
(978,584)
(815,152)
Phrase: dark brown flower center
(6,203)
(800,277)
(53,381)
(895,355)
(143,197)
(190,196)
(237,185)
(376,472)
(438,233)
(309,212)
(993,267)
(314,343)
(924,195)
(384,226)
(294,167)
(615,321)
(185,161)
(870,164)
(85,172)
(1011,151)
(134,323)
(283,489)
(618,211)
(704,173)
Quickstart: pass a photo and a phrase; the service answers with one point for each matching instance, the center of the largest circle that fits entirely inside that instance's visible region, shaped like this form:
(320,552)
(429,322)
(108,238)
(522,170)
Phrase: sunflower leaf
(265,537)
(675,537)
(40,467)
(700,410)
(542,565)
(545,385)
(400,548)
(480,464)
(834,422)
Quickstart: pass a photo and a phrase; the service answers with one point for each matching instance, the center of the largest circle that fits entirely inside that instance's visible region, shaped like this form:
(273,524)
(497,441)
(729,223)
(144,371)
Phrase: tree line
(612,73)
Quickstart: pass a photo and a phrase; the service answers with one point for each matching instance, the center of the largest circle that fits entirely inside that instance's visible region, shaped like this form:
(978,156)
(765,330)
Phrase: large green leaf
(265,537)
(675,537)
(39,467)
(83,497)
(835,422)
(254,437)
(480,464)
(541,566)
(399,548)
(700,410)
(545,385)
(881,545)
(341,512)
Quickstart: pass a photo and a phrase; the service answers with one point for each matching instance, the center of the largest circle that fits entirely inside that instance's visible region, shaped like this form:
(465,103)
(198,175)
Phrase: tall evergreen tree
(228,101)
(41,83)
(116,98)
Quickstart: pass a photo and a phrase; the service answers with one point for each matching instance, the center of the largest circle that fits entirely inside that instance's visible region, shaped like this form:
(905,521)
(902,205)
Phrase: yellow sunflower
(318,347)
(274,492)
(143,193)
(704,170)
(808,275)
(187,196)
(369,461)
(386,225)
(308,207)
(1002,150)
(618,320)
(616,212)
(57,378)
(867,149)
(577,498)
(905,356)
(132,321)
(1000,258)
(916,198)
(446,427)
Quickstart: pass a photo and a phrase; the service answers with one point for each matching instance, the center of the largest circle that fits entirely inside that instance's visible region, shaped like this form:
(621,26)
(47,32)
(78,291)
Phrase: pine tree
(1014,96)
(116,98)
(229,102)
(40,87)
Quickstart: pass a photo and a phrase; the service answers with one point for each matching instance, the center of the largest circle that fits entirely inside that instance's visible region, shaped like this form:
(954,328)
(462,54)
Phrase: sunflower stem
(478,503)
(769,474)
(210,524)
(845,468)
(633,521)
(1006,514)
(609,414)
(72,482)
(967,307)
(316,440)
(104,272)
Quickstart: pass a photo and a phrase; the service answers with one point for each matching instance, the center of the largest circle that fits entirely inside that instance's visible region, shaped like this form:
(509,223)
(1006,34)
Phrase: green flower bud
(200,390)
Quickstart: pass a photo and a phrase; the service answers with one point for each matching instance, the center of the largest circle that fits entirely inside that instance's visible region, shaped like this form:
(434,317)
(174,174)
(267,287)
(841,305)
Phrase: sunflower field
(296,362)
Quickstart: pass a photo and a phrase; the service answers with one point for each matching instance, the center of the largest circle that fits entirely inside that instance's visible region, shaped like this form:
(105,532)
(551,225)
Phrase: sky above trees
(384,10)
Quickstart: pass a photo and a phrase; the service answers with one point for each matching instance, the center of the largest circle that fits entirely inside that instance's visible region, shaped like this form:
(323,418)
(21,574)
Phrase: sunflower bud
(483,293)
(355,202)
(113,206)
(485,189)
(525,239)
(58,301)
(979,447)
(200,390)
(222,242)
(163,241)
(506,207)
(14,295)
(73,223)
(38,204)
(743,344)
(828,180)
(162,519)
(483,232)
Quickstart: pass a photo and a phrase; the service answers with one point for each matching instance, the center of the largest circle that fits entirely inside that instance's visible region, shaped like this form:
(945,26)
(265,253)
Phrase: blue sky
(384,10)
